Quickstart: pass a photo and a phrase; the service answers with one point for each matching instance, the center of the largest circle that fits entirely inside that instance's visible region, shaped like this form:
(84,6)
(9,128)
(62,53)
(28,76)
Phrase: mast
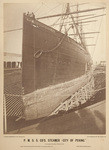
(77,31)
(76,23)
(62,21)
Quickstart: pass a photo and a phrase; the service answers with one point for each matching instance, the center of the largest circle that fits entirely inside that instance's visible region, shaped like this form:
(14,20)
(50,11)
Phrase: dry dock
(86,119)
(90,120)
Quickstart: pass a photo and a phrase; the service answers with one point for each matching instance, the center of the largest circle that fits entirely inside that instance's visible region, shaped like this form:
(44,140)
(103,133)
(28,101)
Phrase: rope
(38,8)
(51,9)
(55,22)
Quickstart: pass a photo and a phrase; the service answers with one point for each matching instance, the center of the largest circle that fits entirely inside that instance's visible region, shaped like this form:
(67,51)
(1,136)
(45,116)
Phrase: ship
(54,65)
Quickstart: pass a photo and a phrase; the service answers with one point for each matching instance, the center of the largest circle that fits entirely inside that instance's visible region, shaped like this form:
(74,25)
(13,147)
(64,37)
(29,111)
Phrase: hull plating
(49,57)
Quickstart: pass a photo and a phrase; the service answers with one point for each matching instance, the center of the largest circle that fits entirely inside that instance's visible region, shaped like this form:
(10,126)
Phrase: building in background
(12,60)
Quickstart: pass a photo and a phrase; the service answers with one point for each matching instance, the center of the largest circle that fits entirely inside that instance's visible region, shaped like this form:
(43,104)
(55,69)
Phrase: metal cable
(43,51)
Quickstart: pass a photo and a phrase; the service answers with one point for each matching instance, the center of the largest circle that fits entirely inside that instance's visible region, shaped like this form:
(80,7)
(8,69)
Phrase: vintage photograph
(54,68)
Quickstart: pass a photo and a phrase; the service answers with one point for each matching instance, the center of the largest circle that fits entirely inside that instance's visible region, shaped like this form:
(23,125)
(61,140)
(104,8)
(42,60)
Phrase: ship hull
(47,101)
(49,57)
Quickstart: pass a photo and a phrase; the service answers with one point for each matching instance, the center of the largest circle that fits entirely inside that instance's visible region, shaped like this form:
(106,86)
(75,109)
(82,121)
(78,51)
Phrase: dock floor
(89,120)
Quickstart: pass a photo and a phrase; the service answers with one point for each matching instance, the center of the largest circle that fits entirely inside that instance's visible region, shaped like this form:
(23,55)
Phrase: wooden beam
(85,22)
(87,33)
(83,16)
(91,45)
(92,17)
(87,37)
(79,4)
(76,22)
(75,12)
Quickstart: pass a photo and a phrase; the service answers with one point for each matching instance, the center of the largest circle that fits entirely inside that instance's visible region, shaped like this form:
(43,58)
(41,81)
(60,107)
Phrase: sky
(13,19)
